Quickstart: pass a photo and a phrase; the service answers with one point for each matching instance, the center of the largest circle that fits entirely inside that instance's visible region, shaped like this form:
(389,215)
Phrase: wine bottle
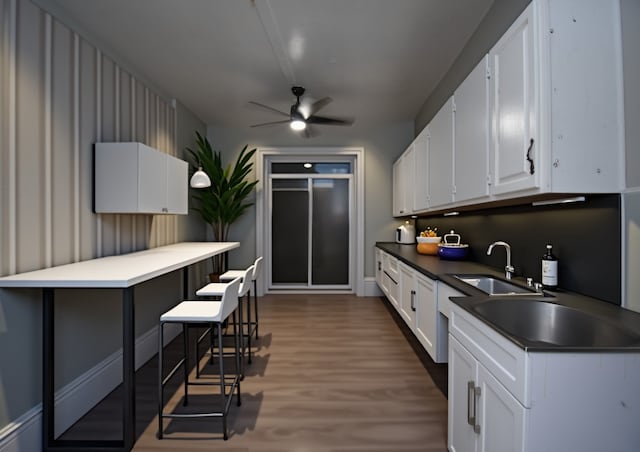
(549,269)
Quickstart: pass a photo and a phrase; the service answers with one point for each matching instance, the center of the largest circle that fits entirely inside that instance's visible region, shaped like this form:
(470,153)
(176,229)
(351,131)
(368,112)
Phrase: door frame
(304,153)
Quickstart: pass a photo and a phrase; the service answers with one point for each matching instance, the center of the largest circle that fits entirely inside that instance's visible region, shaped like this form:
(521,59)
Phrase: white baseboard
(75,399)
(24,434)
(371,288)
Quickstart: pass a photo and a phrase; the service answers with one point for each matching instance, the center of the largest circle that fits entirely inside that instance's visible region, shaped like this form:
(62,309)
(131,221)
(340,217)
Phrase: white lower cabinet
(407,306)
(426,315)
(505,399)
(415,297)
(390,278)
(417,305)
(378,263)
(483,415)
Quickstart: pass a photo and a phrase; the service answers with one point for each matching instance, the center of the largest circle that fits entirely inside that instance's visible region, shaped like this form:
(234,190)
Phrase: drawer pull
(471,420)
(476,398)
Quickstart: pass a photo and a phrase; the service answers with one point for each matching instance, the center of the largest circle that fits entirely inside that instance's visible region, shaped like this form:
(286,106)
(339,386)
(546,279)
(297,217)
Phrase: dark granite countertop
(607,313)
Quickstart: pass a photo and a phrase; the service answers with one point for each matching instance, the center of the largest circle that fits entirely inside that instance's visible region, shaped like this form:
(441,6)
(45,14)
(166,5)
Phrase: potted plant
(221,204)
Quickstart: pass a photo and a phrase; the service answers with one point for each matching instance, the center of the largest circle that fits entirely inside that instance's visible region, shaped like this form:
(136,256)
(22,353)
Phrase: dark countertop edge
(437,269)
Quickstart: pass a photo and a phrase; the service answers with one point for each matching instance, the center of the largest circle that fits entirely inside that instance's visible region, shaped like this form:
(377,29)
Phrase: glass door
(311,211)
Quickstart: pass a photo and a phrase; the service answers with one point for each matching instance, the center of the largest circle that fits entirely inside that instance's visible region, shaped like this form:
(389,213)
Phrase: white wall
(382,145)
(58,95)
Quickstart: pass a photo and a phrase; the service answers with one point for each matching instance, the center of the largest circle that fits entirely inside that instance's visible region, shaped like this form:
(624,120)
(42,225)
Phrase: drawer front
(506,361)
(444,292)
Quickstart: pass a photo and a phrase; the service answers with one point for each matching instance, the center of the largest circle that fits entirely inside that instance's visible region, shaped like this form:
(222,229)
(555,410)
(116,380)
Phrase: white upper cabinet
(557,100)
(135,178)
(403,180)
(398,188)
(542,113)
(441,156)
(515,143)
(177,186)
(471,158)
(583,114)
(421,171)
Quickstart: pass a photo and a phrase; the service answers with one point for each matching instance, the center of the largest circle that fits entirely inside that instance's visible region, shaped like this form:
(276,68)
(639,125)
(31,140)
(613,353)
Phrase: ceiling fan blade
(271,123)
(329,121)
(309,132)
(269,108)
(317,105)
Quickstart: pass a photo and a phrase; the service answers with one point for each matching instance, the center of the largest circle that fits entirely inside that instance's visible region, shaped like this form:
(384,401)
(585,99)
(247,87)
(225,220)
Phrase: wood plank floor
(330,373)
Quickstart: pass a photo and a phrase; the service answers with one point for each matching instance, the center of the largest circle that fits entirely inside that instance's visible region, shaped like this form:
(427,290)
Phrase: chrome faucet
(508,269)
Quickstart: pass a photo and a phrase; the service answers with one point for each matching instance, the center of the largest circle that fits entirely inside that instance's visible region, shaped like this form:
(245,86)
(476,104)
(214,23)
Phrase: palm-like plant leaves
(225,201)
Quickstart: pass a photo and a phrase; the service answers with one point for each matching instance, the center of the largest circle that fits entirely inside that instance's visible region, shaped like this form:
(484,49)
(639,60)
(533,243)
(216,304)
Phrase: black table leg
(47,367)
(49,442)
(129,370)
(185,283)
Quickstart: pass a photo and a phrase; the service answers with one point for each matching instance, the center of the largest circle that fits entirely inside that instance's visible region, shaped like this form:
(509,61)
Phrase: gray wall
(382,145)
(68,95)
(498,19)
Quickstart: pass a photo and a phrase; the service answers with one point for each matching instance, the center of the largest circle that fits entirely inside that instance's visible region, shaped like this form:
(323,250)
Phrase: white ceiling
(378,59)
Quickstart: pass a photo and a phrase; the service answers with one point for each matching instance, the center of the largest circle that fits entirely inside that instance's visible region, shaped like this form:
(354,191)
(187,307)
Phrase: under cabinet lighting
(451,214)
(559,201)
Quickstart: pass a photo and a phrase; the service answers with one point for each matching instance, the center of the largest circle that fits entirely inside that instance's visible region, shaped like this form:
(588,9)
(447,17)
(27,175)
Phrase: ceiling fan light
(200,179)
(298,124)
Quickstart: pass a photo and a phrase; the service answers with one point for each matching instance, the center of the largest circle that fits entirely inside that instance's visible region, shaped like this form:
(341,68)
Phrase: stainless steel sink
(494,286)
(544,322)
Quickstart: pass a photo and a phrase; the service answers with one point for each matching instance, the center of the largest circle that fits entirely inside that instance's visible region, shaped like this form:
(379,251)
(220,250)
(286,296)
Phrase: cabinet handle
(471,420)
(379,266)
(413,305)
(531,167)
(476,397)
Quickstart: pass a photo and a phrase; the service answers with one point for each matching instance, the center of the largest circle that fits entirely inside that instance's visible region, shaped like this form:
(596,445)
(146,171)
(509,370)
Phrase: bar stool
(216,290)
(257,271)
(213,313)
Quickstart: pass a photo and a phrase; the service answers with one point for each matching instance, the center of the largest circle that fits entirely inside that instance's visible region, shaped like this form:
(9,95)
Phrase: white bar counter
(122,272)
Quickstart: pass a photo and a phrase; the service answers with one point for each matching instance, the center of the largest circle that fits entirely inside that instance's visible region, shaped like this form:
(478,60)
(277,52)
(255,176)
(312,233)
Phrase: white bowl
(428,239)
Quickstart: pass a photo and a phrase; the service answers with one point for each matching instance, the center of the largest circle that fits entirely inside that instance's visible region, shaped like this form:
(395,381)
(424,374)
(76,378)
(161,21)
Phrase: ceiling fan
(302,114)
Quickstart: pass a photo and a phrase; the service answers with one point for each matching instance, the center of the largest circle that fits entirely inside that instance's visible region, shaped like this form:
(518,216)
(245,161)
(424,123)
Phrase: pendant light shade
(200,179)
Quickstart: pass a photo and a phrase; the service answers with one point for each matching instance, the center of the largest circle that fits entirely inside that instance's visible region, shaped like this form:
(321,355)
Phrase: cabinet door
(421,171)
(462,379)
(471,158)
(408,179)
(407,296)
(177,186)
(378,267)
(501,416)
(385,280)
(392,278)
(426,312)
(515,145)
(152,173)
(398,189)
(441,157)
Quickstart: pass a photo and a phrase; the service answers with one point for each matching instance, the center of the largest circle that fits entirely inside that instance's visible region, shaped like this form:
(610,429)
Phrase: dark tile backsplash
(585,238)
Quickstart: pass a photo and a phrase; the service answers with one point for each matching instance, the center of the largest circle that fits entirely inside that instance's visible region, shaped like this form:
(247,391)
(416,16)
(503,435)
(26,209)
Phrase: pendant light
(200,179)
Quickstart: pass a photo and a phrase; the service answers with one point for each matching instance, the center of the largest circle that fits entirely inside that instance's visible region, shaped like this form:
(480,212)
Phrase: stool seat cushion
(194,311)
(230,275)
(212,289)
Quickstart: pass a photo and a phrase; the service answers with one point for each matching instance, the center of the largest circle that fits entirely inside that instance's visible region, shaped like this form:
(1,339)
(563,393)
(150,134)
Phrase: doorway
(309,207)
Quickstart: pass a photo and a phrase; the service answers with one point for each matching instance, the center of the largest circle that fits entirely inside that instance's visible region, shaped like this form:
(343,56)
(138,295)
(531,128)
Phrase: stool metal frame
(212,313)
(216,290)
(229,275)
